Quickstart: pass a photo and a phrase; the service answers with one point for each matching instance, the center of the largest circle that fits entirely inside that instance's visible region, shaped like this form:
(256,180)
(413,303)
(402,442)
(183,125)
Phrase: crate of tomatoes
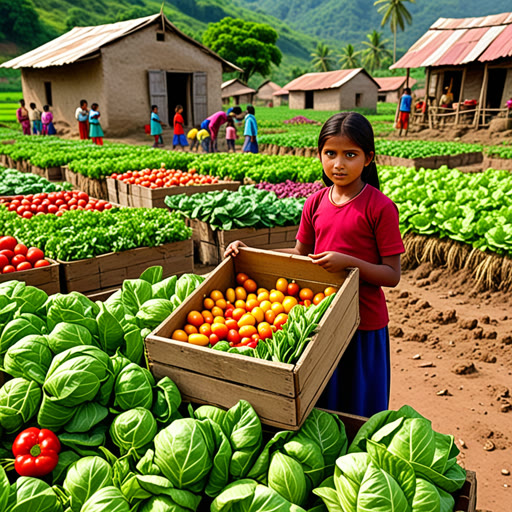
(265,327)
(28,264)
(148,188)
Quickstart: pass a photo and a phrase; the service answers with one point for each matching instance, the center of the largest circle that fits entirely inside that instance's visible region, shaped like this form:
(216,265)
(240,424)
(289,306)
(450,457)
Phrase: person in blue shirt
(156,127)
(250,132)
(404,111)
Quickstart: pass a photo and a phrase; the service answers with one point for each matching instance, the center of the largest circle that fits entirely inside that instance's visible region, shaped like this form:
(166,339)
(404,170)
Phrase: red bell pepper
(36,452)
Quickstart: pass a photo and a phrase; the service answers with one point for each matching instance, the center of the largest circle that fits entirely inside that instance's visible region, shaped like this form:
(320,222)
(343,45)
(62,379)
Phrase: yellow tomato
(276,296)
(330,290)
(277,308)
(264,330)
(282,285)
(289,303)
(240,304)
(251,296)
(281,319)
(216,311)
(319,297)
(199,339)
(251,304)
(261,290)
(179,335)
(265,305)
(221,303)
(247,319)
(262,296)
(205,329)
(238,313)
(219,320)
(240,293)
(258,313)
(208,303)
(247,331)
(230,295)
(208,317)
(216,295)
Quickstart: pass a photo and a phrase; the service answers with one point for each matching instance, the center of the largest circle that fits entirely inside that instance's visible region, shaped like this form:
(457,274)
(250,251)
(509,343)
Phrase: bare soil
(451,353)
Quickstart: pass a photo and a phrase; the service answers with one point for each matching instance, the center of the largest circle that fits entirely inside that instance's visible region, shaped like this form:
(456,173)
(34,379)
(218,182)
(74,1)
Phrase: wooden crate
(70,176)
(47,278)
(112,190)
(107,271)
(282,394)
(210,245)
(50,173)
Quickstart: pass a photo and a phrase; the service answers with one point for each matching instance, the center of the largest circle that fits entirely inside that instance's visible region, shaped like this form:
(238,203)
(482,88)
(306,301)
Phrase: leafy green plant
(13,183)
(29,494)
(133,430)
(19,402)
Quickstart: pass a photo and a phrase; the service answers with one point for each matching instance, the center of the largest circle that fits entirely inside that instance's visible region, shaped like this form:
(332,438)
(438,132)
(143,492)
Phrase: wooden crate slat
(272,409)
(47,278)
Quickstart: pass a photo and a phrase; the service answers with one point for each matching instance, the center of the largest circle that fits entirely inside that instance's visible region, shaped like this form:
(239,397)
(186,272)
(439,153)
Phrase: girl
(47,120)
(179,138)
(23,119)
(351,223)
(250,132)
(156,126)
(231,134)
(82,116)
(95,131)
(35,117)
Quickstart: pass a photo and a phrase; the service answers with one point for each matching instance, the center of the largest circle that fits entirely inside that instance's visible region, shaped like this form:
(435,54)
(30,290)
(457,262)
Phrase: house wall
(360,84)
(126,64)
(69,85)
(327,99)
(297,100)
(507,93)
(265,93)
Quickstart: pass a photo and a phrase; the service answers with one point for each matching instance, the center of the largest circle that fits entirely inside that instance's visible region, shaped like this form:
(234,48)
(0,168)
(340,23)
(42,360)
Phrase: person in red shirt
(350,223)
(179,138)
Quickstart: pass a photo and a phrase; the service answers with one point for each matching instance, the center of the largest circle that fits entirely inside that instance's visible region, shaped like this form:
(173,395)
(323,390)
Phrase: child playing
(204,138)
(156,127)
(82,116)
(250,131)
(231,134)
(192,139)
(47,120)
(404,111)
(351,223)
(23,119)
(179,138)
(35,116)
(95,131)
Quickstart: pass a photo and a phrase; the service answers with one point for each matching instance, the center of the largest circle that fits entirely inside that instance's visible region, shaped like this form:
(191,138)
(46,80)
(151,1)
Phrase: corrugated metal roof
(82,42)
(325,80)
(235,87)
(271,84)
(453,42)
(393,83)
(281,92)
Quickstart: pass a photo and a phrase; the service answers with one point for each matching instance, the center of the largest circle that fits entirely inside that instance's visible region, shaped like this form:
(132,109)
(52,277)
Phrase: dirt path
(451,356)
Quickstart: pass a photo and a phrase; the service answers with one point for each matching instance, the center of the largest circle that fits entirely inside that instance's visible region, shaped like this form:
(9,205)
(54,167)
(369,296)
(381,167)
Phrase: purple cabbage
(300,120)
(290,188)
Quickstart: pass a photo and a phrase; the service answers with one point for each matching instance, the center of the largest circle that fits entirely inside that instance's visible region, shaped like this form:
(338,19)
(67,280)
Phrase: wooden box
(112,190)
(106,271)
(47,278)
(282,394)
(50,173)
(210,245)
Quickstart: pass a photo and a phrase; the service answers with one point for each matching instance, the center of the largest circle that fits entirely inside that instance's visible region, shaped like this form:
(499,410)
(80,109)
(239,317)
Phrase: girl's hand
(232,248)
(330,260)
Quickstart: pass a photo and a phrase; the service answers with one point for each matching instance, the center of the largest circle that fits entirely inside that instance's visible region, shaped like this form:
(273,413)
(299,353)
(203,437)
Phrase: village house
(237,92)
(125,67)
(281,97)
(474,57)
(392,87)
(265,93)
(344,89)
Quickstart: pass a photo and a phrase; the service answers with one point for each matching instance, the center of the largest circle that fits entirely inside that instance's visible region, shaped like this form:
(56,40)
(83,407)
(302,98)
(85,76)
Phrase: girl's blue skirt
(180,140)
(361,382)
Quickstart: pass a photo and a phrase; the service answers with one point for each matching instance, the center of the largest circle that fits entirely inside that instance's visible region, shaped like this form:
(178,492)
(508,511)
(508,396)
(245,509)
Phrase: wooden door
(200,97)
(158,93)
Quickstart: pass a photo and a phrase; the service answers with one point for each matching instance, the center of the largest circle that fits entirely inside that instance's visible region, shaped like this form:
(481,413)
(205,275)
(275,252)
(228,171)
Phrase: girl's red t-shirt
(178,124)
(366,227)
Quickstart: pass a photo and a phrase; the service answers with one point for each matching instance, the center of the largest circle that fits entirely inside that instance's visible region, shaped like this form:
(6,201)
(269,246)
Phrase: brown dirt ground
(451,353)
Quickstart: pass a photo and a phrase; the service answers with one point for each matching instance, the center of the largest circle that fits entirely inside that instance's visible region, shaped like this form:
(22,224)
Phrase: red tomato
(25,265)
(3,261)
(21,249)
(34,254)
(41,208)
(7,243)
(21,209)
(41,263)
(233,336)
(59,202)
(72,201)
(8,254)
(214,339)
(53,208)
(27,215)
(82,202)
(18,258)
(8,269)
(108,206)
(59,213)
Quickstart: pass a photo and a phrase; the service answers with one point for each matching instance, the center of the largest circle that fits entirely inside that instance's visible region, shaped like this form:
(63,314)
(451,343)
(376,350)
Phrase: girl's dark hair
(32,106)
(94,106)
(178,108)
(359,130)
(230,121)
(250,109)
(46,108)
(82,102)
(237,110)
(153,107)
(22,103)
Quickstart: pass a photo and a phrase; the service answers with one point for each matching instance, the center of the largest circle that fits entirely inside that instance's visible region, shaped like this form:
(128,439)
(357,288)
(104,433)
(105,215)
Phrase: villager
(47,120)
(404,112)
(82,116)
(156,127)
(250,132)
(95,131)
(179,138)
(35,117)
(23,119)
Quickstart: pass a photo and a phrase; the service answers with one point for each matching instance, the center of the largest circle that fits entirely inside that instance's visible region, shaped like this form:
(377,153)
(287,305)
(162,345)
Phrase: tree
(349,58)
(322,60)
(249,45)
(376,50)
(19,23)
(77,17)
(295,72)
(396,14)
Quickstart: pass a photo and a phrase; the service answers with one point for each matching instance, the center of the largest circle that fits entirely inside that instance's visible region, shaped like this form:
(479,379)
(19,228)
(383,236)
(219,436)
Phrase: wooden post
(407,77)
(483,92)
(427,87)
(461,95)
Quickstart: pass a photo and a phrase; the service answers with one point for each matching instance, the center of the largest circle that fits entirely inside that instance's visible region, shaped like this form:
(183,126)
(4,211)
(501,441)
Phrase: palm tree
(349,58)
(397,14)
(322,60)
(376,50)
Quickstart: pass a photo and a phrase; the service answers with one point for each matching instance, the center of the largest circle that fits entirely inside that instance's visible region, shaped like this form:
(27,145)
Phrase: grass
(10,97)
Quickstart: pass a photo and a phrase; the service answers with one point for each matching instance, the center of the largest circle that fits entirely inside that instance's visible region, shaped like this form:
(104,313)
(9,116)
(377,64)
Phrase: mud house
(281,97)
(392,87)
(474,55)
(333,90)
(265,93)
(125,67)
(238,92)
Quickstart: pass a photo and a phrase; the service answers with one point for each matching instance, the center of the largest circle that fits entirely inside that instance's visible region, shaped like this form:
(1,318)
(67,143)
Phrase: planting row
(13,183)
